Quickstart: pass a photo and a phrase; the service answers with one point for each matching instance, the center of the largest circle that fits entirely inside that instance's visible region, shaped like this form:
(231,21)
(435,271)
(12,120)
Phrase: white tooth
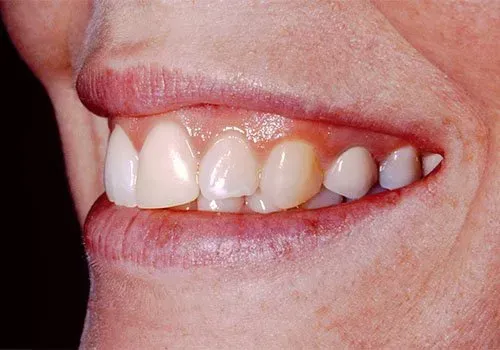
(430,161)
(291,175)
(400,168)
(229,168)
(167,168)
(352,174)
(227,205)
(120,169)
(259,203)
(325,198)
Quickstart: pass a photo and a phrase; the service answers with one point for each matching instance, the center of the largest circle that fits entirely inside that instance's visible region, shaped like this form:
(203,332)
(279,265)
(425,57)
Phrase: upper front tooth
(167,168)
(400,168)
(353,173)
(229,168)
(120,169)
(291,175)
(430,161)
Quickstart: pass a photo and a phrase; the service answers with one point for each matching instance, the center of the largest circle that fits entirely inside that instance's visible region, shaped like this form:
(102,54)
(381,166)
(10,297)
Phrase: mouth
(207,172)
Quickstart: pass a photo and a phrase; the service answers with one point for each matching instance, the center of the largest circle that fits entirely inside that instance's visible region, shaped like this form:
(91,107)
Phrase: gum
(262,130)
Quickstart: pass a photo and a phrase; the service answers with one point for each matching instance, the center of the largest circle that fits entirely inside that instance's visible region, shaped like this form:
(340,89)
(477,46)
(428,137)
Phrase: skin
(434,285)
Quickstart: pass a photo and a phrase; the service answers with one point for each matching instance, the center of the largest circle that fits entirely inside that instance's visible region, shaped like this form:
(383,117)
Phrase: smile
(202,179)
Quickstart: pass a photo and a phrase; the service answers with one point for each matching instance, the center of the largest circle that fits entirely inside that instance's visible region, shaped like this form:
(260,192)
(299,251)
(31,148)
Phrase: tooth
(229,168)
(325,198)
(227,205)
(291,175)
(430,161)
(376,189)
(259,203)
(400,168)
(167,168)
(120,169)
(352,174)
(191,206)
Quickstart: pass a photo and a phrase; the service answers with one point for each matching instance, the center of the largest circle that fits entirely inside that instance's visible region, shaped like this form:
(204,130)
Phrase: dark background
(56,299)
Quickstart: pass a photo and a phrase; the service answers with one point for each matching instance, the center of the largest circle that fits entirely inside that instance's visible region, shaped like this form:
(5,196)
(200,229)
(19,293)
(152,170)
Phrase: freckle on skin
(322,311)
(295,295)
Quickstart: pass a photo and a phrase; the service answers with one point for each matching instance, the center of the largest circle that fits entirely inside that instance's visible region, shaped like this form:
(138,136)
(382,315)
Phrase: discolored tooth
(430,161)
(352,174)
(229,168)
(120,169)
(325,198)
(259,203)
(400,168)
(291,175)
(227,205)
(167,168)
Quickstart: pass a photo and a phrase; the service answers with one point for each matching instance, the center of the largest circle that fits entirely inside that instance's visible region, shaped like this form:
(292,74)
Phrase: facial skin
(426,277)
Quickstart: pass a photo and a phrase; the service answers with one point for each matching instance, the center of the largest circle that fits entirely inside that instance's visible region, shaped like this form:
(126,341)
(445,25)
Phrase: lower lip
(165,238)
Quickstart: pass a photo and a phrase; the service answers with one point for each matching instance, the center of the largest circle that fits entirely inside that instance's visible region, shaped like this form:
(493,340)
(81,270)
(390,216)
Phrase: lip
(164,238)
(149,90)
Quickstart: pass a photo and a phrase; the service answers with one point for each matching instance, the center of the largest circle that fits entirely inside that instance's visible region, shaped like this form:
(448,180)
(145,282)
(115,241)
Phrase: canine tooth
(167,168)
(227,205)
(352,174)
(430,161)
(228,169)
(325,198)
(292,174)
(259,203)
(120,169)
(400,168)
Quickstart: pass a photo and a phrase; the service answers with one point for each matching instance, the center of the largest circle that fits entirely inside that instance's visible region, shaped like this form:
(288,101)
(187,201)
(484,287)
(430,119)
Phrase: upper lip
(151,89)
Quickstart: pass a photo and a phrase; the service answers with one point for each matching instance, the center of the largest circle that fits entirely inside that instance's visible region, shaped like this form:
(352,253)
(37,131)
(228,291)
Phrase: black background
(40,211)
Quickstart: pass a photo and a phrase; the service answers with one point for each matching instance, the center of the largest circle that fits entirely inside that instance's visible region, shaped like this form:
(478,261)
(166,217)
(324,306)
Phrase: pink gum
(262,130)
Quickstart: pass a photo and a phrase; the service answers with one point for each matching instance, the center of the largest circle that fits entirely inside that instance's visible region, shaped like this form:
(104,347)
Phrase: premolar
(227,205)
(291,174)
(229,168)
(120,169)
(167,168)
(352,174)
(400,168)
(430,161)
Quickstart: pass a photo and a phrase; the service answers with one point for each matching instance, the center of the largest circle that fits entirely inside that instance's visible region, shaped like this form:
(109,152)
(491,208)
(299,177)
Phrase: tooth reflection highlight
(400,168)
(120,169)
(229,168)
(227,205)
(167,168)
(430,161)
(352,174)
(291,174)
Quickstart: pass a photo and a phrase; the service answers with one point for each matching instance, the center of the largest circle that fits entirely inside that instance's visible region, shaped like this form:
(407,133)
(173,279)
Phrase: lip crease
(164,238)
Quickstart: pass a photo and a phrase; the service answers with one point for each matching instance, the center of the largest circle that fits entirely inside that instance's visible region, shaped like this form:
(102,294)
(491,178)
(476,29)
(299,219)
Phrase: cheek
(46,33)
(469,32)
